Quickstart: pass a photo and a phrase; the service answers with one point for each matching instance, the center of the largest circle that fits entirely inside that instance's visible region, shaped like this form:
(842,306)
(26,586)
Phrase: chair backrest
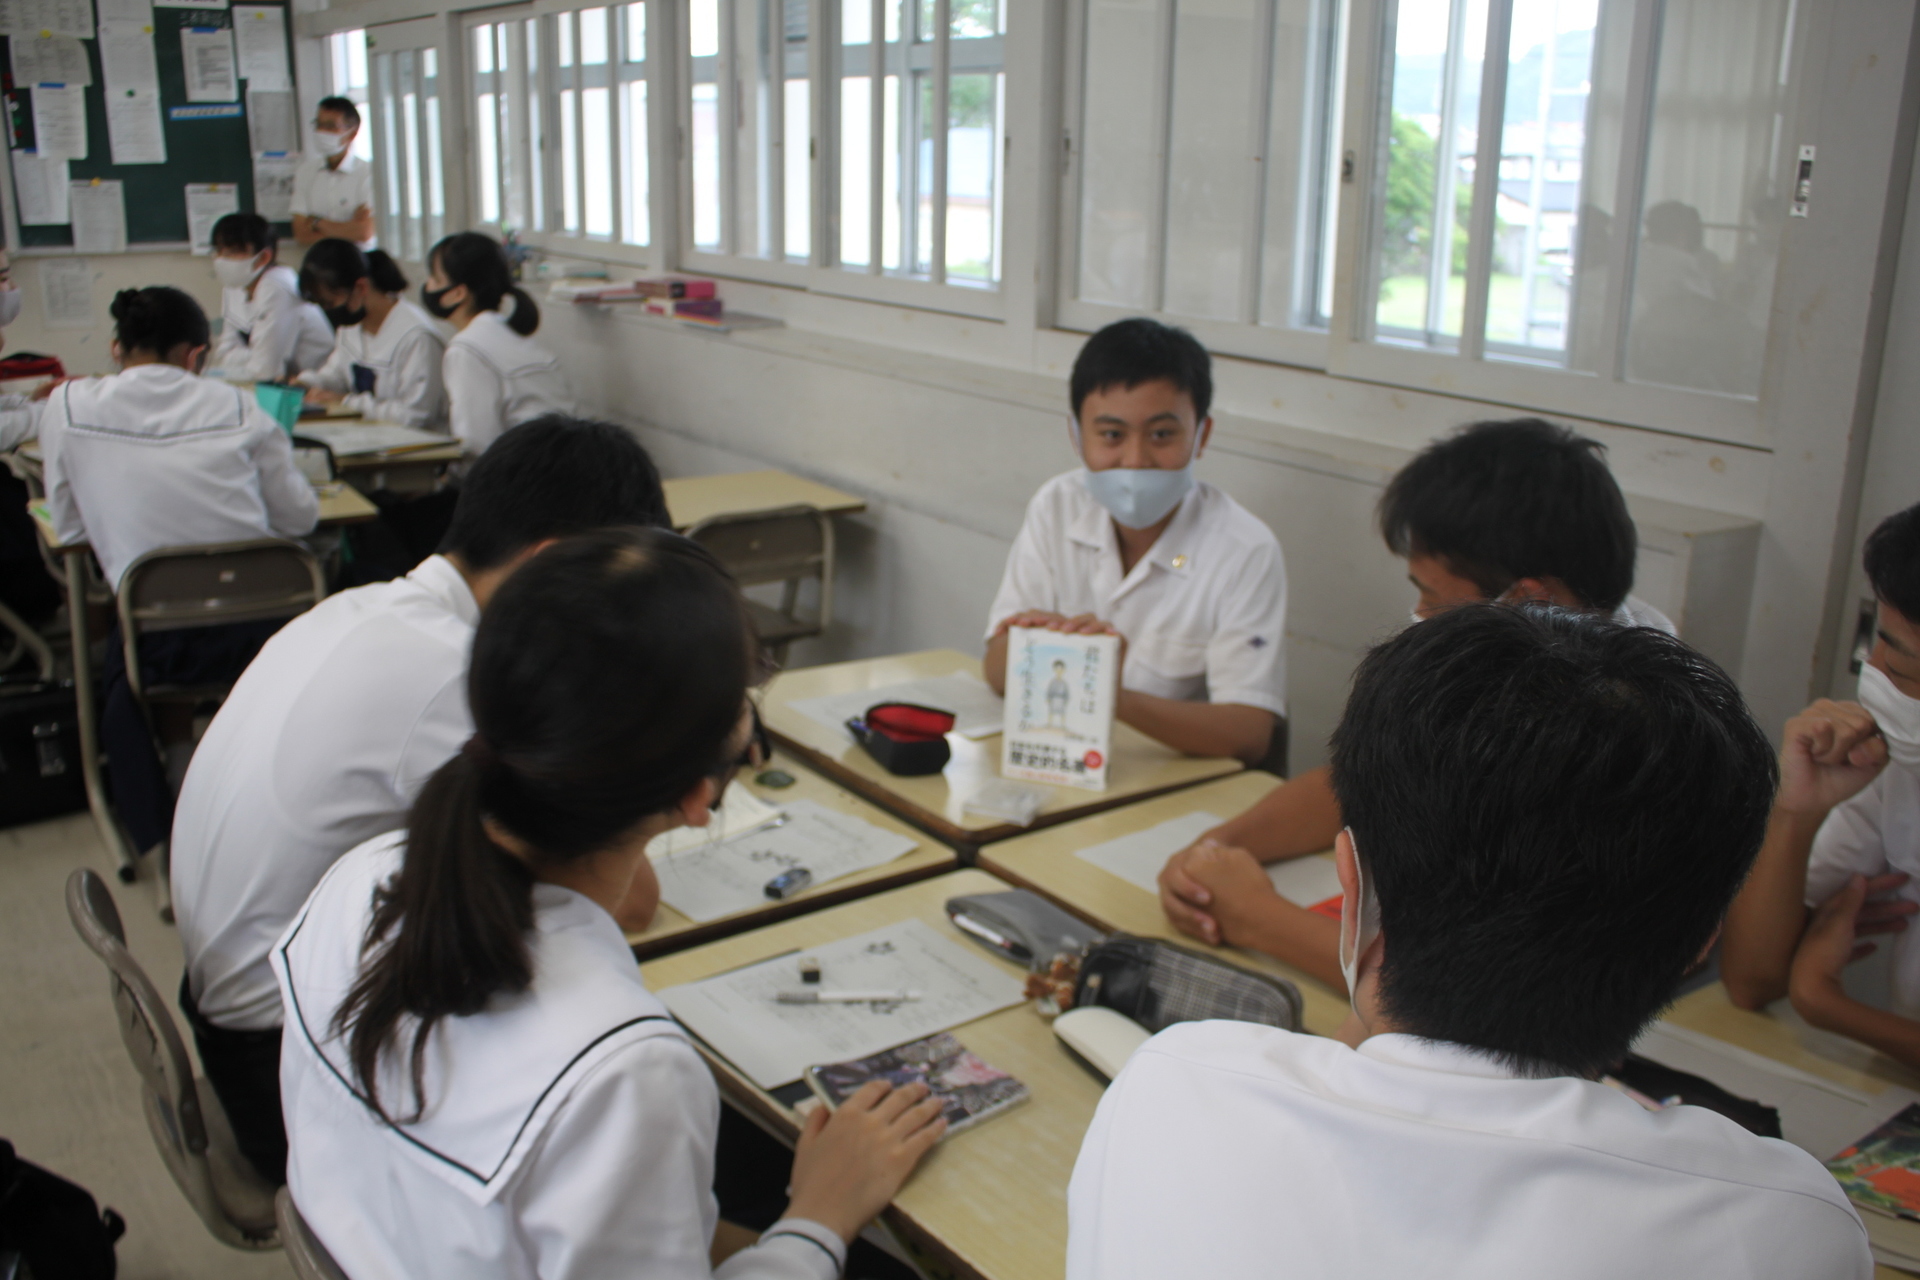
(769,546)
(309,1257)
(168,1093)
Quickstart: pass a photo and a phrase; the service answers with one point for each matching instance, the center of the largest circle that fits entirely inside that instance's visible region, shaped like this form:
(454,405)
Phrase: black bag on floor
(40,773)
(53,1224)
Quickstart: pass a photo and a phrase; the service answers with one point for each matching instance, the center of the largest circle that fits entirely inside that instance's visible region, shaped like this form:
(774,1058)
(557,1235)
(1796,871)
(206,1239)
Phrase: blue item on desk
(788,882)
(363,379)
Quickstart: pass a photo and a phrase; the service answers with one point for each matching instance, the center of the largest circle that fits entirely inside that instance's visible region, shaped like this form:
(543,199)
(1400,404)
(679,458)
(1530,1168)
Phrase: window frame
(384,41)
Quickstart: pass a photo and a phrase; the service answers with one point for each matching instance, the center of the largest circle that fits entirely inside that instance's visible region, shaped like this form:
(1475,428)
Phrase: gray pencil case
(1020,926)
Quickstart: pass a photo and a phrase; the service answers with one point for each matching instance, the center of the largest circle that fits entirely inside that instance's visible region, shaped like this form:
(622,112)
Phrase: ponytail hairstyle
(339,265)
(157,320)
(608,678)
(478,262)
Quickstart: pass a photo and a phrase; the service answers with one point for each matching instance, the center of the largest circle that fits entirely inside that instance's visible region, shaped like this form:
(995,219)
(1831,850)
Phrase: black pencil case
(907,740)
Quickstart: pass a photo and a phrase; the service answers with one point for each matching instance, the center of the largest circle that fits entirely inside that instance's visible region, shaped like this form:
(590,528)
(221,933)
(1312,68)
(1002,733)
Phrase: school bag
(52,1226)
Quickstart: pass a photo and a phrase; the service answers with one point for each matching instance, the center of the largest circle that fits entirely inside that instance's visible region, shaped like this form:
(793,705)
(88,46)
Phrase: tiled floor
(68,1098)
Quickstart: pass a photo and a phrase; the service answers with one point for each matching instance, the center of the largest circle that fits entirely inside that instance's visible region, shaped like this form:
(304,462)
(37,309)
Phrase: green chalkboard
(215,149)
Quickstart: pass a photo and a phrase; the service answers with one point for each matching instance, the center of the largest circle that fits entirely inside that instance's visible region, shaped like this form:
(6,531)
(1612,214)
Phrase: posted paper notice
(134,130)
(260,31)
(99,215)
(50,60)
(47,18)
(40,188)
(207,55)
(207,203)
(270,120)
(127,58)
(66,292)
(60,121)
(139,13)
(273,185)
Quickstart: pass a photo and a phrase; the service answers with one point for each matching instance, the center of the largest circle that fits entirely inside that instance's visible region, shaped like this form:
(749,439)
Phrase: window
(411,175)
(1201,183)
(347,78)
(560,125)
(1590,187)
(864,158)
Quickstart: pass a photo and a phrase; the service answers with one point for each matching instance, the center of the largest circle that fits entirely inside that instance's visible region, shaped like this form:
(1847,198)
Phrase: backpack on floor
(53,1225)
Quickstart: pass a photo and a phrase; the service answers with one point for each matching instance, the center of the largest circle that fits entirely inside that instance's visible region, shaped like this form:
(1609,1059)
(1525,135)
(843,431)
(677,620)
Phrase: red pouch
(25,364)
(907,740)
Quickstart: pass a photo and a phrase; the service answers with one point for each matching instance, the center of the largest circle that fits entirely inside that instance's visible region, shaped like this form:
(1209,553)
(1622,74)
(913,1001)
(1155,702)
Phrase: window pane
(593,37)
(1210,159)
(799,168)
(633,130)
(703,37)
(703,28)
(1120,168)
(596,141)
(856,170)
(892,194)
(563,45)
(1717,175)
(924,118)
(636,32)
(569,163)
(1439,48)
(1302,159)
(973,154)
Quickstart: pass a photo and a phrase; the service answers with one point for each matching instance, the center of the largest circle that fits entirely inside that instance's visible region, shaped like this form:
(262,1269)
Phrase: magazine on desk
(1060,699)
(969,1089)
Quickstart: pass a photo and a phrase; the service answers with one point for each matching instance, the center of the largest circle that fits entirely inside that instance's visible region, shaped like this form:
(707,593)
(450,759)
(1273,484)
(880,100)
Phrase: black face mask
(341,317)
(430,299)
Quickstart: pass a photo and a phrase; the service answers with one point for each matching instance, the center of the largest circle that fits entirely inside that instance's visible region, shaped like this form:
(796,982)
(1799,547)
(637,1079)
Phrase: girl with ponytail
(387,352)
(475,1080)
(496,375)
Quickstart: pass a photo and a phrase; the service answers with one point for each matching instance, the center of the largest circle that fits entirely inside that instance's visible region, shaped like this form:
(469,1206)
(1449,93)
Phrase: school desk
(988,1203)
(691,499)
(1045,862)
(1141,767)
(408,471)
(672,931)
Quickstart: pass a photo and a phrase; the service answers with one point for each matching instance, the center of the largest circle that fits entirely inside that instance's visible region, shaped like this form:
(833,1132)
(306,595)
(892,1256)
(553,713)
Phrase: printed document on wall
(137,13)
(33,18)
(207,55)
(127,58)
(50,60)
(40,189)
(261,33)
(273,185)
(270,120)
(133,127)
(207,203)
(66,292)
(60,121)
(99,215)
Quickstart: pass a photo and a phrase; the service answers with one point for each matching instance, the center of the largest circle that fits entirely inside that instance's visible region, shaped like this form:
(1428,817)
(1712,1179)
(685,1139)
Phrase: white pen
(845,997)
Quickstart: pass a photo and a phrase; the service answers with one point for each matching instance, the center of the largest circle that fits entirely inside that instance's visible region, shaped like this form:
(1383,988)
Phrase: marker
(967,924)
(846,997)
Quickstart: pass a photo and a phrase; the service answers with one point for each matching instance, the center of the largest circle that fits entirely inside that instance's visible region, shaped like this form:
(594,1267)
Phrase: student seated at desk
(496,374)
(1843,847)
(269,333)
(19,414)
(1132,545)
(329,736)
(477,1081)
(1508,511)
(1547,816)
(156,456)
(387,352)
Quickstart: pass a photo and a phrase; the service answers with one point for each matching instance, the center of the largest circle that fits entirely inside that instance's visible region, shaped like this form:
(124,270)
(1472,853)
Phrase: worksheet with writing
(704,881)
(738,1015)
(977,711)
(1138,856)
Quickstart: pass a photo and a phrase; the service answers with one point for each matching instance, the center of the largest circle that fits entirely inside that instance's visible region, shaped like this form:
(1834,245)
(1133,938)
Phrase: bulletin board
(211,144)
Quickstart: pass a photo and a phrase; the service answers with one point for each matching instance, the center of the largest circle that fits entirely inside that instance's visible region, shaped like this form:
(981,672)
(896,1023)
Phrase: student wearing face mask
(269,332)
(387,352)
(497,376)
(1131,544)
(1510,511)
(333,188)
(1843,842)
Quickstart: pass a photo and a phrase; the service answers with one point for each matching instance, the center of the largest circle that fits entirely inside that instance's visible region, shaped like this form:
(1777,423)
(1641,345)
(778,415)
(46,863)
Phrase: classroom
(620,655)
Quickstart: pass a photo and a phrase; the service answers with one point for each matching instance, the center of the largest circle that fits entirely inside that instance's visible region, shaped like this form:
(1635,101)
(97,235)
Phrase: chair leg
(34,642)
(83,695)
(163,880)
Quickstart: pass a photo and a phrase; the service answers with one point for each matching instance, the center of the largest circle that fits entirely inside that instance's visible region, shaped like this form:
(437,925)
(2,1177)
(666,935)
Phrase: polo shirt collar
(348,163)
(437,576)
(1403,1050)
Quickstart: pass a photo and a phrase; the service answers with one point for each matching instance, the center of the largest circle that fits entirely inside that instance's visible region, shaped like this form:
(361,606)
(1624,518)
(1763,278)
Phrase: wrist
(833,1217)
(1801,820)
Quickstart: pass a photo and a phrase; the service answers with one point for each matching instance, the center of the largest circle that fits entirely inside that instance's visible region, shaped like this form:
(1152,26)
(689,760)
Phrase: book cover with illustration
(1882,1170)
(969,1089)
(1060,696)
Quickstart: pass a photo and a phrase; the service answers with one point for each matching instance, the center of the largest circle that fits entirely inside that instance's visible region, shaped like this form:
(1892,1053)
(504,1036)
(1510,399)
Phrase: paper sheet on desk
(740,811)
(1138,856)
(773,1043)
(352,439)
(707,881)
(977,712)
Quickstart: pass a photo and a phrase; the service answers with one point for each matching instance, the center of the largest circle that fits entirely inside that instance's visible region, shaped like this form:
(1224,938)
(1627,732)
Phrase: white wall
(85,351)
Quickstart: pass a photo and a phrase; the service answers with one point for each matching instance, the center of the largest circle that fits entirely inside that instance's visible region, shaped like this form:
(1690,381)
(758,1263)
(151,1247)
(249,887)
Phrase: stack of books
(691,298)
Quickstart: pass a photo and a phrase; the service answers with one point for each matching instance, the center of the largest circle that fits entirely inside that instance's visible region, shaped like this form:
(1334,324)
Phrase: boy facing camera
(1547,815)
(1132,545)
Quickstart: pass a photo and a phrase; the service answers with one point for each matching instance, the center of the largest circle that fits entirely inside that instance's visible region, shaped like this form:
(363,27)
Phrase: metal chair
(309,1257)
(787,545)
(188,1126)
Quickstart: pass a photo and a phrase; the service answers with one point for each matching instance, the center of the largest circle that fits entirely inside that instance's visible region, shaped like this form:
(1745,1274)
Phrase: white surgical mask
(1136,497)
(10,302)
(330,144)
(1897,715)
(1356,935)
(235,273)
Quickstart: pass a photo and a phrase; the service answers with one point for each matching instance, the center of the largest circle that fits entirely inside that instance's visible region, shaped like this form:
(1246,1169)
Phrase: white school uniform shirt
(333,193)
(1204,611)
(158,457)
(1635,612)
(323,744)
(19,420)
(1875,832)
(497,378)
(568,1132)
(1235,1152)
(402,364)
(272,335)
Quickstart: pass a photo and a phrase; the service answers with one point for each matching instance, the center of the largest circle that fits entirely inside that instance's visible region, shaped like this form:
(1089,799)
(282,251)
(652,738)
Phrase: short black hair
(343,106)
(549,478)
(247,231)
(157,319)
(1892,561)
(340,264)
(1129,352)
(1502,501)
(1554,812)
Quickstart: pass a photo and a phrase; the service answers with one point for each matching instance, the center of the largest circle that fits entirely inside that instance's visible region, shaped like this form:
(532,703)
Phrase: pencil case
(906,739)
(1158,984)
(1020,926)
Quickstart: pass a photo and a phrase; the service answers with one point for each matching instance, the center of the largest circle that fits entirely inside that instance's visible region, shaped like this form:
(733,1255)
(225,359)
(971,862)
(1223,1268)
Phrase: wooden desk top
(435,456)
(991,1201)
(672,931)
(1141,767)
(339,504)
(1045,863)
(691,499)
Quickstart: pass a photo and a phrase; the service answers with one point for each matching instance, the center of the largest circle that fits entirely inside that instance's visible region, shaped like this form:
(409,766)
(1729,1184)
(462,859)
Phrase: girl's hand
(850,1163)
